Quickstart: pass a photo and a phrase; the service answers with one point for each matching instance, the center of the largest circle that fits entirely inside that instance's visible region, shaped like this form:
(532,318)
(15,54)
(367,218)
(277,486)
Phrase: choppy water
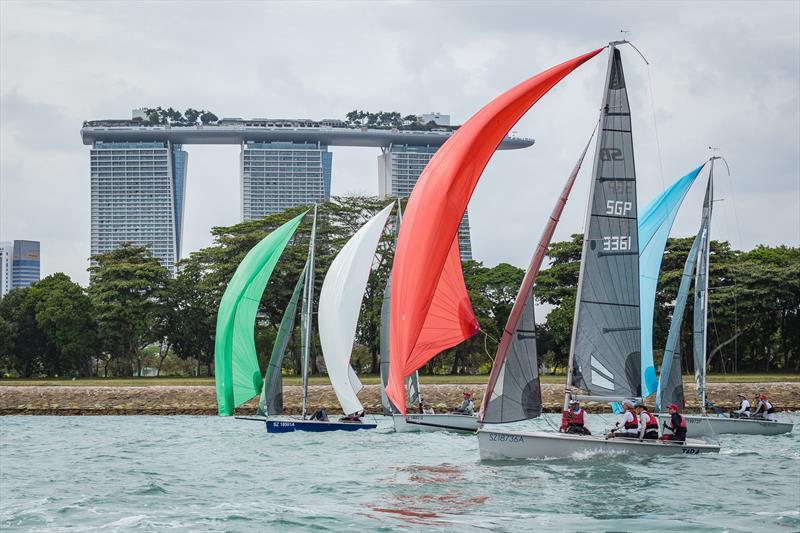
(213,474)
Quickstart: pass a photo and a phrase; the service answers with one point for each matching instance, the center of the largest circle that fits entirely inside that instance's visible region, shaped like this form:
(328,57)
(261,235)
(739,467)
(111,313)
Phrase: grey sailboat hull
(501,445)
(435,422)
(710,426)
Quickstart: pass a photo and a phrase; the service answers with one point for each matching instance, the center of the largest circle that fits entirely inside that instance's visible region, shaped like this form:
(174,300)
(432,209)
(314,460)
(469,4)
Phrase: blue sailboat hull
(315,426)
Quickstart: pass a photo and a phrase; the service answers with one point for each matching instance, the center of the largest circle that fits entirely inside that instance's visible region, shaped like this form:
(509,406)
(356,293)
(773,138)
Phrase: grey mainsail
(701,293)
(271,401)
(305,312)
(387,406)
(670,380)
(605,348)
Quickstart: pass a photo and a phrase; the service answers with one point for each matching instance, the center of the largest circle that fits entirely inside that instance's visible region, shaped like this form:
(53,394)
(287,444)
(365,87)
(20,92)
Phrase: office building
(137,197)
(138,170)
(399,167)
(278,175)
(25,264)
(6,252)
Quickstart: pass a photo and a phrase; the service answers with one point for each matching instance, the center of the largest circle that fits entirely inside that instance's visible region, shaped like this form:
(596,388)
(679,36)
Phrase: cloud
(721,73)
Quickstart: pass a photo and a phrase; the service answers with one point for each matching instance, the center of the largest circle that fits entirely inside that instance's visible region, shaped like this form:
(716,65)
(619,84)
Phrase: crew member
(467,407)
(676,425)
(744,408)
(355,417)
(765,409)
(629,423)
(648,424)
(572,419)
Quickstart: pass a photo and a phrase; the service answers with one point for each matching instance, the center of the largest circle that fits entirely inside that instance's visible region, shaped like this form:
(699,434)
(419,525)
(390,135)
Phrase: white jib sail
(340,304)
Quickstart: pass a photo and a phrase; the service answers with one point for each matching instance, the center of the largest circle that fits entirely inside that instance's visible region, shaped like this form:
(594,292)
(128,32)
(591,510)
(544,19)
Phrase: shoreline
(200,400)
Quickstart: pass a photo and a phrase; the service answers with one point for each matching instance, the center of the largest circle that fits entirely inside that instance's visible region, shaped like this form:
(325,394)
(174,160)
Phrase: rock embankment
(201,400)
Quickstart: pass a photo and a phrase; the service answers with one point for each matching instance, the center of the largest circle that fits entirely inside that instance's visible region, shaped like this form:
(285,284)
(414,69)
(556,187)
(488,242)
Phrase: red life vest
(632,424)
(652,422)
(576,418)
(682,425)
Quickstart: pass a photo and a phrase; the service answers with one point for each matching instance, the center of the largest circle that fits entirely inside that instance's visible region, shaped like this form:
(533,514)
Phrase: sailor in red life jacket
(629,423)
(648,424)
(764,409)
(572,420)
(676,424)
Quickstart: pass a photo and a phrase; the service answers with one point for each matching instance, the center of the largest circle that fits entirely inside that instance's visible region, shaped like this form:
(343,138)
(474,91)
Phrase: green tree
(23,342)
(127,291)
(64,315)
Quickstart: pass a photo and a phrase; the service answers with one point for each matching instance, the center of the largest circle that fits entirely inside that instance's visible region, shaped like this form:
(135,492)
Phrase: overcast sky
(721,74)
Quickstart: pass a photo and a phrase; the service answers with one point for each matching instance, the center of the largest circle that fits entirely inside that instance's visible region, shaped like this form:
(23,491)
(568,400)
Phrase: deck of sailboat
(712,425)
(435,422)
(500,444)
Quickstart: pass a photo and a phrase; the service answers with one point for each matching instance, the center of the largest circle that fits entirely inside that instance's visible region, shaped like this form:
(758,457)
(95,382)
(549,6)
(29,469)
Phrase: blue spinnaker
(655,223)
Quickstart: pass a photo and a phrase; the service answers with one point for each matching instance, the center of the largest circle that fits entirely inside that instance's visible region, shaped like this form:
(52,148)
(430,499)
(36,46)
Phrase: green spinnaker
(271,401)
(236,368)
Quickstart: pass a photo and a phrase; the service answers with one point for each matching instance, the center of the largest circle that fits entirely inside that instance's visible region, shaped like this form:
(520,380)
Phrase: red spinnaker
(526,287)
(430,226)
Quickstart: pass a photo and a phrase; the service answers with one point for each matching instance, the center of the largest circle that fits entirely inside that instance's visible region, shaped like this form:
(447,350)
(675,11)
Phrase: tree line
(134,316)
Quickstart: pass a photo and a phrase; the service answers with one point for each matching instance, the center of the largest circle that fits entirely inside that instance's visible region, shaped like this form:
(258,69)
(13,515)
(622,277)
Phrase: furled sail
(386,405)
(306,310)
(605,348)
(513,392)
(655,223)
(426,261)
(701,293)
(238,377)
(271,401)
(670,380)
(340,304)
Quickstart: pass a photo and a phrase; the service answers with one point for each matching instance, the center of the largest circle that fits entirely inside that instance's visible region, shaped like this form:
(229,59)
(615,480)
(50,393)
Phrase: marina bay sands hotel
(139,171)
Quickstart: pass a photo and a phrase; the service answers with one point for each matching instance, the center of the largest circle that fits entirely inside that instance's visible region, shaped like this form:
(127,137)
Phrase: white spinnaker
(340,303)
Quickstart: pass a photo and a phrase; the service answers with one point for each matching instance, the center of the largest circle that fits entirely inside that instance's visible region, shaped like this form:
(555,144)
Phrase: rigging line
(485,347)
(655,122)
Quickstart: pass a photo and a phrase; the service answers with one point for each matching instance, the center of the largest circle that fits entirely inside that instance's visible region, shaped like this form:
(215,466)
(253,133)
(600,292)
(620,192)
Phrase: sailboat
(670,385)
(339,305)
(605,351)
(430,308)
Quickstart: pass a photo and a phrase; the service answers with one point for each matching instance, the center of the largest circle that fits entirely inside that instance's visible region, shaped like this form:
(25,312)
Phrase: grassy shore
(367,380)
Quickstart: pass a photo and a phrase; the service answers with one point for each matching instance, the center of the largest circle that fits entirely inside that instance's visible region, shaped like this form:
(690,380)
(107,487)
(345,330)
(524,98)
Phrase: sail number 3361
(616,243)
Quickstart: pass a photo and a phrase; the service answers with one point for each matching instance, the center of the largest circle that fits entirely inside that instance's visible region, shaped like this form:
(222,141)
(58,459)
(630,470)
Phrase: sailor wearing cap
(676,424)
(572,419)
(467,407)
(648,424)
(744,407)
(628,425)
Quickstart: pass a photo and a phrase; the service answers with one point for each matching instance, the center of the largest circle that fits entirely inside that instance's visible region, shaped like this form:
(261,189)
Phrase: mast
(308,310)
(703,269)
(605,346)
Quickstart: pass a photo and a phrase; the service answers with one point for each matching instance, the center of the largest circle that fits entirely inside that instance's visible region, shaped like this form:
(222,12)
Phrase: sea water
(222,474)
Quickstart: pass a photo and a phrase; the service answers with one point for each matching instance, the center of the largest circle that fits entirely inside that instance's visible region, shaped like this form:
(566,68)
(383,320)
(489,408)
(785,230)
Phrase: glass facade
(6,252)
(280,175)
(25,264)
(137,193)
(399,167)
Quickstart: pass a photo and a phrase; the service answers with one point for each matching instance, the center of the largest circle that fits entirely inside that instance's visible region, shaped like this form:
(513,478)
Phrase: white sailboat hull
(436,422)
(498,445)
(709,426)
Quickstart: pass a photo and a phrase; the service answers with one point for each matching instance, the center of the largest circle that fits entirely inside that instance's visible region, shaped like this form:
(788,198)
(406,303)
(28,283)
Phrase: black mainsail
(606,345)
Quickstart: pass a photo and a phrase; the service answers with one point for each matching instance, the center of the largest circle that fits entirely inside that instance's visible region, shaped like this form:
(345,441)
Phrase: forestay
(605,348)
(670,380)
(513,392)
(238,377)
(701,293)
(426,262)
(655,223)
(340,304)
(271,401)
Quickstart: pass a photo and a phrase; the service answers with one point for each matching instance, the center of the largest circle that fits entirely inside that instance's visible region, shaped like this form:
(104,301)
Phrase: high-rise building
(6,252)
(138,197)
(399,167)
(25,264)
(279,175)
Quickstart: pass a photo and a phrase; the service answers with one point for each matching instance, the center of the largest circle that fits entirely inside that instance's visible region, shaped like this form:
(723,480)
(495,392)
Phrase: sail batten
(513,392)
(424,262)
(340,304)
(605,347)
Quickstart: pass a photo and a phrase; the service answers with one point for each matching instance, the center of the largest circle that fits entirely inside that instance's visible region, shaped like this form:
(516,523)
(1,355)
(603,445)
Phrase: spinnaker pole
(308,305)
